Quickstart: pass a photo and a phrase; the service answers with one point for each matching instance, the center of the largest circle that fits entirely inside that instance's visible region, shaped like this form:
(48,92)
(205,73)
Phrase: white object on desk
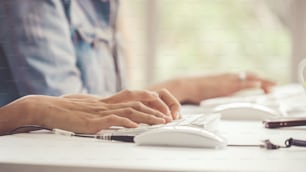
(286,100)
(46,152)
(185,136)
(202,121)
(246,111)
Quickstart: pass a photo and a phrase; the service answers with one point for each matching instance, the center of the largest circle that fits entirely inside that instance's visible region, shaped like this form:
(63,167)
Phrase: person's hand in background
(198,88)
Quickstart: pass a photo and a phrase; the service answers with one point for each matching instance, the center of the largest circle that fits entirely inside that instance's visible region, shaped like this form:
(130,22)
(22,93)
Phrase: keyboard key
(205,121)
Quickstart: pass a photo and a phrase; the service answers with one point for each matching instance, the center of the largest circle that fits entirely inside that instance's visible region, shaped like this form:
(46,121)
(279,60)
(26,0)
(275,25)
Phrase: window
(202,37)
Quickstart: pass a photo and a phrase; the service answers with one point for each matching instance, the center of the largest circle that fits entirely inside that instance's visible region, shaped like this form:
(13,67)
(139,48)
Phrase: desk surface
(47,152)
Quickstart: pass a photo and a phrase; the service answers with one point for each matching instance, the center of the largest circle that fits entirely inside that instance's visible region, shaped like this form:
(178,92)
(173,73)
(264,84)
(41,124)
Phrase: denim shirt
(56,47)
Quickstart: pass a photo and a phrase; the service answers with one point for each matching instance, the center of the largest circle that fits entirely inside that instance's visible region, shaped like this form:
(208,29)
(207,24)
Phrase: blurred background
(169,38)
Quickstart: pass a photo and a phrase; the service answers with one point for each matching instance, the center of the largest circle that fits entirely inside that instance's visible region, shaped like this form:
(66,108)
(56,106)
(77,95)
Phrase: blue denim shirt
(56,47)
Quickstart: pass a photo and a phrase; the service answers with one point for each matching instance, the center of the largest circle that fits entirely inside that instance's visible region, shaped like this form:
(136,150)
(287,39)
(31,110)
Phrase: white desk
(46,152)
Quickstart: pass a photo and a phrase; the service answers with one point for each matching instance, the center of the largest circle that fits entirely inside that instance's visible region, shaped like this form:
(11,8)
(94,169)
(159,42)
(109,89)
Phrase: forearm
(198,88)
(191,89)
(179,87)
(16,114)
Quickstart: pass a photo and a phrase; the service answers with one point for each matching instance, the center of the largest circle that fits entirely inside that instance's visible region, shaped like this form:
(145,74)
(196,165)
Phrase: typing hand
(57,112)
(84,114)
(161,101)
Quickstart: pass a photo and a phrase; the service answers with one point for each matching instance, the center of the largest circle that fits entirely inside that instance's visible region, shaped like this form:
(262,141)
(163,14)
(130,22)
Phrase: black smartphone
(284,122)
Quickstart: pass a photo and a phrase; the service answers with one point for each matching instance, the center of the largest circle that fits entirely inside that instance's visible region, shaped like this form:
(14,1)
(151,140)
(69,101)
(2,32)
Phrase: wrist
(179,88)
(198,88)
(28,110)
(174,86)
(16,114)
(31,107)
(191,90)
(185,89)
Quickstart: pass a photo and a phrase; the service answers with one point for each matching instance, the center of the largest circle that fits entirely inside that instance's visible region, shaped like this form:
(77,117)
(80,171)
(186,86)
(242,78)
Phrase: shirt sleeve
(37,43)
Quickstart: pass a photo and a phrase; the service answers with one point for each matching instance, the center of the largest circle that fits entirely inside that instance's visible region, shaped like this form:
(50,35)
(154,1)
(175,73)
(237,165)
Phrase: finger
(253,77)
(94,125)
(139,107)
(266,85)
(136,116)
(113,120)
(159,105)
(250,84)
(171,102)
(128,95)
(149,98)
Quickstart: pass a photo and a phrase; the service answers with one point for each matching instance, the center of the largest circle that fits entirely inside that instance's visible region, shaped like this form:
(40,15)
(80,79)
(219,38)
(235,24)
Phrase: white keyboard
(288,99)
(205,121)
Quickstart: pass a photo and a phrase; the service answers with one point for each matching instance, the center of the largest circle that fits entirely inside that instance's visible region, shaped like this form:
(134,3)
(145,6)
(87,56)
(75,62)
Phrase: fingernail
(135,125)
(168,119)
(169,113)
(268,90)
(178,115)
(164,121)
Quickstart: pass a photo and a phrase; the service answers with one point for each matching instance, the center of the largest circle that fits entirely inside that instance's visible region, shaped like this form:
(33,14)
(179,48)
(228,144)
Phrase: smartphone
(284,122)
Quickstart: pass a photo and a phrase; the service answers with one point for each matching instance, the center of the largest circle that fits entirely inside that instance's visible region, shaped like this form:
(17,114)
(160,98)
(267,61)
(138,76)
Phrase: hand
(195,89)
(162,101)
(253,81)
(225,85)
(73,114)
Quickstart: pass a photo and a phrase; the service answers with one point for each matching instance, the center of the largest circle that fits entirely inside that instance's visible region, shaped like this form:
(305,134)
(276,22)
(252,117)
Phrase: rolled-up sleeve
(36,39)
